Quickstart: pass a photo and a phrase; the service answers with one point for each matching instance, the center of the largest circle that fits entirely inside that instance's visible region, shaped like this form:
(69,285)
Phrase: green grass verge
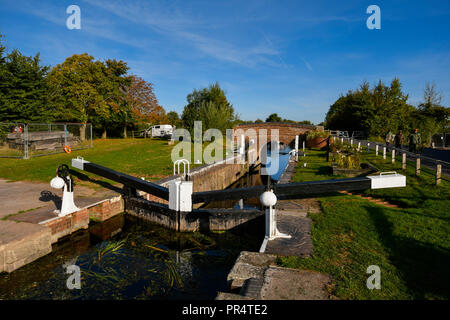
(149,158)
(410,245)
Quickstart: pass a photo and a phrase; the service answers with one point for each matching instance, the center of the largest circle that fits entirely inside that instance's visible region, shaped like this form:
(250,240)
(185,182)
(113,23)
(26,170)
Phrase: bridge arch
(286,132)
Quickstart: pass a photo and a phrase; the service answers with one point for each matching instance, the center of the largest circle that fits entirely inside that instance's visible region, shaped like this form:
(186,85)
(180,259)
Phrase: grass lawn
(411,245)
(149,158)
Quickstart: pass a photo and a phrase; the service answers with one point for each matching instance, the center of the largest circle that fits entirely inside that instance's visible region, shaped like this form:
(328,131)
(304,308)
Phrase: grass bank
(411,245)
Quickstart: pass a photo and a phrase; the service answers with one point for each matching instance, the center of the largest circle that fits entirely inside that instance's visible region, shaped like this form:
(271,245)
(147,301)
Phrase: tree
(83,90)
(23,88)
(142,102)
(274,118)
(373,111)
(174,119)
(430,116)
(208,105)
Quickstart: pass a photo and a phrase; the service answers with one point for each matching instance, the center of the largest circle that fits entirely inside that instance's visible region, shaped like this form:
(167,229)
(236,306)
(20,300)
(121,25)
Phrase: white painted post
(303,147)
(351,142)
(384,153)
(296,148)
(242,150)
(180,196)
(342,140)
(376,150)
(368,147)
(359,146)
(393,156)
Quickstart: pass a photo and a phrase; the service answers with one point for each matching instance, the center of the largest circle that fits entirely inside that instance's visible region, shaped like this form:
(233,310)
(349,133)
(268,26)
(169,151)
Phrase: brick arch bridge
(286,131)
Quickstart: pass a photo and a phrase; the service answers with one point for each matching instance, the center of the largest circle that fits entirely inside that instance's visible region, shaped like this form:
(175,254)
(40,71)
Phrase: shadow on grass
(104,184)
(423,267)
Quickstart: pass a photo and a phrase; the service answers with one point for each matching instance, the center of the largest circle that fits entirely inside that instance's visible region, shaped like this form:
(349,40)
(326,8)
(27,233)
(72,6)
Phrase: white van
(160,131)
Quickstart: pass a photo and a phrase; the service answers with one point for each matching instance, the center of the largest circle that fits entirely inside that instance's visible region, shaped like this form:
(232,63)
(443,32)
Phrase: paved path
(22,196)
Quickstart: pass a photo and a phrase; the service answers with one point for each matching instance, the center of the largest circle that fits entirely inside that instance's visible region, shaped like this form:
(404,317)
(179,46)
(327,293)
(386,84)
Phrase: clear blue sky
(290,57)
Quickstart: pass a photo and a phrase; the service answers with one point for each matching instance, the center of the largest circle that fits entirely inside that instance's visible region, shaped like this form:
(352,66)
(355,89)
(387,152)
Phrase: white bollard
(67,206)
(376,150)
(269,199)
(384,152)
(296,148)
(393,155)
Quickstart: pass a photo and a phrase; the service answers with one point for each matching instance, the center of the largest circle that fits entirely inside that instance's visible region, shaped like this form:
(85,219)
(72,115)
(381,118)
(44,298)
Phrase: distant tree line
(81,89)
(381,108)
(84,90)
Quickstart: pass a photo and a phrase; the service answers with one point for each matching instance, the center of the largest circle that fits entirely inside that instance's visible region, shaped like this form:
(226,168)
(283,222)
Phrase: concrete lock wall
(216,176)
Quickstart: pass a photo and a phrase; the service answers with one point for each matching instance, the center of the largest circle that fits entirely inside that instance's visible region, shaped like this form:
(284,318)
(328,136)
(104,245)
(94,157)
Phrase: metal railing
(27,140)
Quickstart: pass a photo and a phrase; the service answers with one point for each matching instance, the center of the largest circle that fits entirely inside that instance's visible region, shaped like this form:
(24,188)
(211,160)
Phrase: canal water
(128,258)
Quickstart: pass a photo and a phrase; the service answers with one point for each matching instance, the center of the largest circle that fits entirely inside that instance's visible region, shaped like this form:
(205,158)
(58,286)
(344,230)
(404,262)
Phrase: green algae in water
(140,261)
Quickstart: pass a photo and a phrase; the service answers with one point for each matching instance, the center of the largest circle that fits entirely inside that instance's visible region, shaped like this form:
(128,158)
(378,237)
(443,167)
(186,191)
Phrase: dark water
(127,258)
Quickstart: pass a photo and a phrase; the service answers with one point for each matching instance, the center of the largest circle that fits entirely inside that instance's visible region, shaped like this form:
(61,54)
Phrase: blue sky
(290,57)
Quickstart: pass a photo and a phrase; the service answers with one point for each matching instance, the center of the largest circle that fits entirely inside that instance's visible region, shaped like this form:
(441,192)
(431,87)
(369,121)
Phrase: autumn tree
(142,101)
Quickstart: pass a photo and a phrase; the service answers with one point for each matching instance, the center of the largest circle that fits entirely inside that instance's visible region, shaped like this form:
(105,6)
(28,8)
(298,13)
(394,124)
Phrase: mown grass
(149,158)
(410,244)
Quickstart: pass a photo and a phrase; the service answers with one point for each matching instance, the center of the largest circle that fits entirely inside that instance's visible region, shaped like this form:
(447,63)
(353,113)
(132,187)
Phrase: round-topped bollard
(57,183)
(268,199)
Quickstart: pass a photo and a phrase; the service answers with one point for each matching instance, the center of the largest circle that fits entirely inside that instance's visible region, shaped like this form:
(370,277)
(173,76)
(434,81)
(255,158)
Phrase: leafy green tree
(274,118)
(84,90)
(23,88)
(373,111)
(209,105)
(431,117)
(174,119)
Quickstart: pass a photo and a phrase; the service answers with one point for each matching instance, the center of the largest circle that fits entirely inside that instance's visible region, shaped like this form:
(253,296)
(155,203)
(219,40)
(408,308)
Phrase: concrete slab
(249,265)
(22,243)
(47,212)
(296,224)
(22,196)
(291,284)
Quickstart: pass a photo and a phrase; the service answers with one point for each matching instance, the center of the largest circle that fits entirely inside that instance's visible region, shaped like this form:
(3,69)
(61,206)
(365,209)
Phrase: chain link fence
(26,140)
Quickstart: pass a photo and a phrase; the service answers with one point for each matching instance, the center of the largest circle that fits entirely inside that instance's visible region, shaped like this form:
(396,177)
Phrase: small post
(25,142)
(376,150)
(359,146)
(90,130)
(384,153)
(393,156)
(242,149)
(438,174)
(351,142)
(342,140)
(65,134)
(303,147)
(368,147)
(296,148)
(404,161)
(418,167)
